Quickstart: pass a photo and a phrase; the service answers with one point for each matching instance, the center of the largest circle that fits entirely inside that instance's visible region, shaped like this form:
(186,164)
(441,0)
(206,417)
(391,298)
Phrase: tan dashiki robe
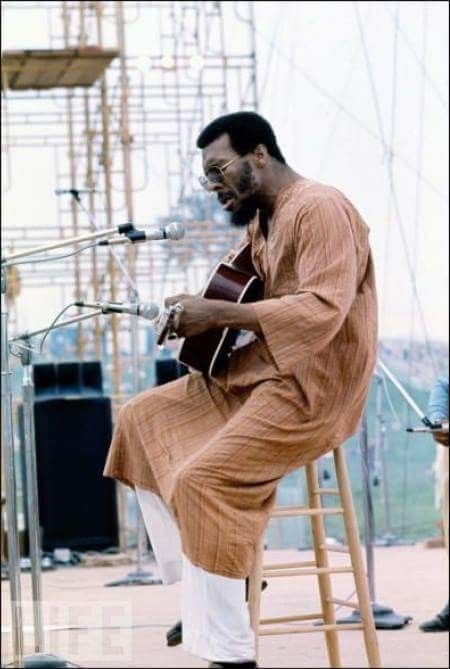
(215,450)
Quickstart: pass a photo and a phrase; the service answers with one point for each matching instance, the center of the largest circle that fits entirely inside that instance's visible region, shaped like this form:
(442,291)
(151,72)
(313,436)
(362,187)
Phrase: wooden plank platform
(39,69)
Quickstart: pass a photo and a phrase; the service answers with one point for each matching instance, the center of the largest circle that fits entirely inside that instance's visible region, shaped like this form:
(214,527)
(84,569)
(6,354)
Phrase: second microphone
(173,232)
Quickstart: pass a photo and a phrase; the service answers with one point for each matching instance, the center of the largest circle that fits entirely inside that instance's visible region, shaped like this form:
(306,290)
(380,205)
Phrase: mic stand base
(391,540)
(384,617)
(45,661)
(25,567)
(138,577)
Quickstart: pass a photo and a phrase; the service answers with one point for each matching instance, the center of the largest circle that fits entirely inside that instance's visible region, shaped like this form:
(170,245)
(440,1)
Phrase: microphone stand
(40,658)
(10,485)
(388,538)
(406,396)
(380,449)
(108,232)
(8,440)
(139,576)
(384,616)
(75,193)
(30,484)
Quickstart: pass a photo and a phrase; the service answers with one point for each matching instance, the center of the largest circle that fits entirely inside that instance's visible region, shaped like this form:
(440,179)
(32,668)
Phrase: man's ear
(261,155)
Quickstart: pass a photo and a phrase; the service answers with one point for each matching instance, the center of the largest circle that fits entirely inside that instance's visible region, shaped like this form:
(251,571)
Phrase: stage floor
(96,626)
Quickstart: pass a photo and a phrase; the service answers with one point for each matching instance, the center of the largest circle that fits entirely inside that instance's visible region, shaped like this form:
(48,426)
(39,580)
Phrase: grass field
(410,482)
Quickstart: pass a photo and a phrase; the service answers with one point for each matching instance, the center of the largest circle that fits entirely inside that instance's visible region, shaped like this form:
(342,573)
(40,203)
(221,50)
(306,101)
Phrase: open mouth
(229,204)
(226,200)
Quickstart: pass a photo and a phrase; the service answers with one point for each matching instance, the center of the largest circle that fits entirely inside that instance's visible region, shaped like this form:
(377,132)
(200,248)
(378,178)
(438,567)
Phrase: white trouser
(214,614)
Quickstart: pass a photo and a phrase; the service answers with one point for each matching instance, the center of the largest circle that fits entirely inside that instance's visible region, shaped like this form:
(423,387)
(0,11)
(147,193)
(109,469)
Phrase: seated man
(204,454)
(438,413)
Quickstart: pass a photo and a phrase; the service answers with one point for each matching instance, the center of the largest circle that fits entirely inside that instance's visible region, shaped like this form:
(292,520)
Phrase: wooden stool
(320,567)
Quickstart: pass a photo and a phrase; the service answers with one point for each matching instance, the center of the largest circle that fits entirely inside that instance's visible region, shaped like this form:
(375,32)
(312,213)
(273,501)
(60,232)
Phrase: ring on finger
(177,309)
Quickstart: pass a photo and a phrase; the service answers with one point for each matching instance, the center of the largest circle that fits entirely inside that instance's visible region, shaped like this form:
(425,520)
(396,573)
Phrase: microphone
(75,192)
(173,231)
(435,427)
(64,191)
(148,311)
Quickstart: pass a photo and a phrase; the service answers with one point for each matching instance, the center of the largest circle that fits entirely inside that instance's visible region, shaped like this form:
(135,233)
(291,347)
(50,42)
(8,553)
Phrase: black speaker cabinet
(77,505)
(64,378)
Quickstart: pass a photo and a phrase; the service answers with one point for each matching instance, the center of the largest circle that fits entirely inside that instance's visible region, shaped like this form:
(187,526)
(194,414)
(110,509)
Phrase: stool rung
(307,572)
(334,549)
(343,602)
(304,511)
(302,629)
(288,619)
(290,565)
(326,491)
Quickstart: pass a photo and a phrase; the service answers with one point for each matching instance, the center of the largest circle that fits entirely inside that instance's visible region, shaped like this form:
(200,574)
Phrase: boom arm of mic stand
(70,321)
(437,427)
(127,230)
(9,260)
(425,420)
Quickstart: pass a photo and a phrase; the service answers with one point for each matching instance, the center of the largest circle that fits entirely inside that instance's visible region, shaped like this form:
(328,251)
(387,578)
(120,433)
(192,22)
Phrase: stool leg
(351,528)
(318,535)
(254,592)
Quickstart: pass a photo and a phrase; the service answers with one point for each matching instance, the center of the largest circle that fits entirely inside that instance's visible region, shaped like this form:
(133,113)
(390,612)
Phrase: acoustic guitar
(236,281)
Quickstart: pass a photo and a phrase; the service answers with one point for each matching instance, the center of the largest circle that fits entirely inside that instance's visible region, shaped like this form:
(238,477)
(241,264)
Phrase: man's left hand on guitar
(198,314)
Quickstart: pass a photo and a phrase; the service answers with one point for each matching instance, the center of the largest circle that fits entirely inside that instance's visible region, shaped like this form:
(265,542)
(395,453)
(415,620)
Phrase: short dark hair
(246,130)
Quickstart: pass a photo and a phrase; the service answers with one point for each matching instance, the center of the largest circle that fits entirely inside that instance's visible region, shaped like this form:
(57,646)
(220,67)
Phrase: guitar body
(235,281)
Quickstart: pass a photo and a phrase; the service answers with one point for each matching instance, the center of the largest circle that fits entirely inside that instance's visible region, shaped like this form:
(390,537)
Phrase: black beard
(245,212)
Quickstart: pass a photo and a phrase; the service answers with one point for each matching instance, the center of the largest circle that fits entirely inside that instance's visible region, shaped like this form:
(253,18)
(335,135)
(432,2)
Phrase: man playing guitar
(205,452)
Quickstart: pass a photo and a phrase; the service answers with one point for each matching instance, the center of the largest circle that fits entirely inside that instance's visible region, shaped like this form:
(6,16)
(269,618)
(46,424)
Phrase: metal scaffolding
(130,135)
(118,97)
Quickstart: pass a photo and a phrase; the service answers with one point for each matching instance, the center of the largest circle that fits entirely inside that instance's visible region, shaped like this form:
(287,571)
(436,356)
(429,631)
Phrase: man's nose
(215,186)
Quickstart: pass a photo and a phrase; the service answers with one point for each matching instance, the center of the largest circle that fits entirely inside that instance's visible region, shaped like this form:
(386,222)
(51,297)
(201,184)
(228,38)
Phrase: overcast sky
(325,75)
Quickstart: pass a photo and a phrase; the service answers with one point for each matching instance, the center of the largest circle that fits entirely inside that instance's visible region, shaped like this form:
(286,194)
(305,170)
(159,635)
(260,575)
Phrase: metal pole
(90,183)
(140,529)
(73,180)
(106,161)
(426,421)
(368,505)
(69,321)
(32,495)
(40,659)
(384,616)
(10,486)
(10,259)
(380,441)
(253,45)
(131,252)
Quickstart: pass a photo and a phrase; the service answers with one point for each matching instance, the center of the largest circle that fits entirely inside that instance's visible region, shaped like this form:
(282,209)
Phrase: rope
(271,52)
(421,62)
(418,190)
(392,144)
(334,122)
(407,442)
(376,136)
(389,155)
